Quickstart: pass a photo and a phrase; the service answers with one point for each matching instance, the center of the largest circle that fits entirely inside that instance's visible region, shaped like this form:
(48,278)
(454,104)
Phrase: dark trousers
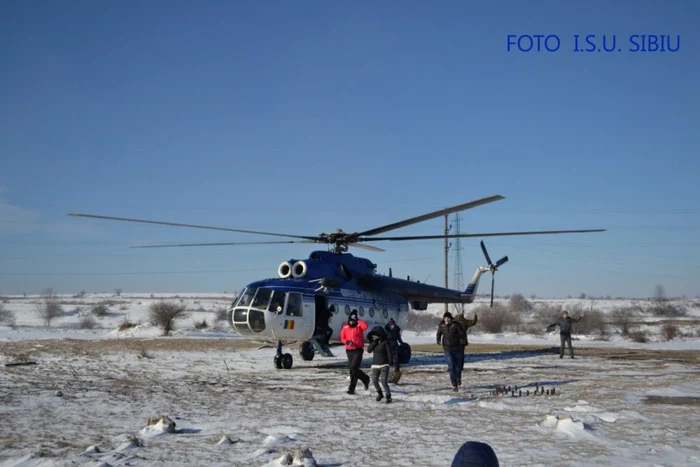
(384,372)
(394,349)
(455,362)
(354,362)
(565,338)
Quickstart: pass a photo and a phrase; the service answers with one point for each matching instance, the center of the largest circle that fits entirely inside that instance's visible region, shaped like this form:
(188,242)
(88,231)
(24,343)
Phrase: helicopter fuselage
(325,289)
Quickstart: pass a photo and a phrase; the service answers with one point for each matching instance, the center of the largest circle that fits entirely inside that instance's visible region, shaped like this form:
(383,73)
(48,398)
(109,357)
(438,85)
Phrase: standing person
(381,362)
(393,337)
(565,325)
(452,337)
(352,335)
(466,324)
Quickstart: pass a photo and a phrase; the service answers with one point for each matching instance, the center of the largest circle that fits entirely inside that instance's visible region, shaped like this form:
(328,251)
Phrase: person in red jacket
(352,334)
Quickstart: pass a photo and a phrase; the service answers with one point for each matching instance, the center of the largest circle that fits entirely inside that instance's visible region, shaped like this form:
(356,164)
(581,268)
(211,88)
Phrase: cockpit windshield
(246,297)
(262,298)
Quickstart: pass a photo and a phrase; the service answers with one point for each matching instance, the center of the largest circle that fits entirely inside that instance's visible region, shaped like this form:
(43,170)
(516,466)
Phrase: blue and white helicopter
(311,298)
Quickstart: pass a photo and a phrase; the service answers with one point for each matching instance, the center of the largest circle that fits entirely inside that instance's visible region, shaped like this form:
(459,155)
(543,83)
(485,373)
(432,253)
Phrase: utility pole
(447,249)
(458,281)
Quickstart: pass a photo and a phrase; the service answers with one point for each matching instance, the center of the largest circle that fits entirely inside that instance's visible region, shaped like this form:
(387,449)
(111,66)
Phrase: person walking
(466,324)
(565,327)
(352,335)
(381,362)
(452,337)
(393,338)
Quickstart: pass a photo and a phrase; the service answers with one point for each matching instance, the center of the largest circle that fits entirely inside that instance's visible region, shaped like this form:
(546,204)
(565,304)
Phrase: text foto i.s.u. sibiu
(593,43)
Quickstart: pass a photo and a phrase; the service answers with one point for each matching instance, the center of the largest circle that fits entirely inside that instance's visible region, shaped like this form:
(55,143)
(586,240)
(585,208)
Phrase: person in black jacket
(453,338)
(381,361)
(393,337)
(565,327)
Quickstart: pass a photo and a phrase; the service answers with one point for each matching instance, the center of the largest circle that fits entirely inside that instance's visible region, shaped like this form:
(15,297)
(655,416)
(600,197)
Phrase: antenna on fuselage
(390,273)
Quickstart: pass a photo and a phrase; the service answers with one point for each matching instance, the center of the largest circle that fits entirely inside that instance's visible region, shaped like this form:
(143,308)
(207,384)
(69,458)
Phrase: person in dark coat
(565,327)
(453,337)
(466,324)
(475,454)
(381,361)
(352,335)
(393,337)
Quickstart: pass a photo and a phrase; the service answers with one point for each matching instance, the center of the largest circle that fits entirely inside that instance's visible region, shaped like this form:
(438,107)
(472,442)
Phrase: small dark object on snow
(20,363)
(552,391)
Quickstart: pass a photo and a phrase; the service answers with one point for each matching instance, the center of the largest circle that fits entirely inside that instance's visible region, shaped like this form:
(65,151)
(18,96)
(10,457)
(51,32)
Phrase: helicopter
(311,298)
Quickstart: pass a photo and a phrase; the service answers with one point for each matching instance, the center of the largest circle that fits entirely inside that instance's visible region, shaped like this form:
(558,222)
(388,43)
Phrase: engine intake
(285,270)
(299,269)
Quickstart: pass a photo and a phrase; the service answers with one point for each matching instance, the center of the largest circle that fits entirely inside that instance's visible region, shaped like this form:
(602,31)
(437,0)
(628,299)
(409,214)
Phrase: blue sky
(302,117)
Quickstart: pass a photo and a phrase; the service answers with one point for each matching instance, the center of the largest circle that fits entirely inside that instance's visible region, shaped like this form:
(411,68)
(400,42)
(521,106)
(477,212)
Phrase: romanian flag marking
(288,324)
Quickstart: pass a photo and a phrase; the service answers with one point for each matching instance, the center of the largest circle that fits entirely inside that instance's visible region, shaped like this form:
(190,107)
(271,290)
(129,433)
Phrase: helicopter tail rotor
(492,267)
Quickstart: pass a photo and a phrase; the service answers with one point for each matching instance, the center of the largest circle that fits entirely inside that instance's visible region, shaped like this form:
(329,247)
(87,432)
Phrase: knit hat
(474,453)
(353,316)
(391,321)
(447,315)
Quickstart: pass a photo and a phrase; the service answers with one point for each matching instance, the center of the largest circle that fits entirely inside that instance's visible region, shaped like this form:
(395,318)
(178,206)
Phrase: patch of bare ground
(672,400)
(86,347)
(680,356)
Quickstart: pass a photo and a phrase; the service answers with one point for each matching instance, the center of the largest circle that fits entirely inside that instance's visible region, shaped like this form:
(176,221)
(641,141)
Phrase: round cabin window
(347,310)
(385,313)
(371,312)
(362,311)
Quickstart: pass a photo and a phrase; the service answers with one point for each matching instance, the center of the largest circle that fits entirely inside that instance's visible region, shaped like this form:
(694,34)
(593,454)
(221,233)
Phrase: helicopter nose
(248,321)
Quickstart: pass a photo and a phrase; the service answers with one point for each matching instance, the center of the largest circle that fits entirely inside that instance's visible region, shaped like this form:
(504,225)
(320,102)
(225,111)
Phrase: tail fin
(470,292)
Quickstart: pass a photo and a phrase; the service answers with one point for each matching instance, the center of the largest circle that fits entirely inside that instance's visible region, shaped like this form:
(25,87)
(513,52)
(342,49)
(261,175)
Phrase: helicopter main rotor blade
(431,215)
(365,247)
(491,234)
(193,226)
(166,245)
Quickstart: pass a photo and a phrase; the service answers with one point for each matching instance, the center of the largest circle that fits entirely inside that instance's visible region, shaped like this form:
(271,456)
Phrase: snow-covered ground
(89,396)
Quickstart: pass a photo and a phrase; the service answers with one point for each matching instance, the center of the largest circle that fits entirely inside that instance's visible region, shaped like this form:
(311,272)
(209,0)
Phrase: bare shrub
(100,310)
(117,292)
(48,308)
(639,336)
(494,320)
(163,314)
(126,324)
(593,322)
(421,322)
(669,331)
(87,322)
(533,328)
(221,315)
(517,306)
(668,310)
(201,324)
(7,317)
(623,318)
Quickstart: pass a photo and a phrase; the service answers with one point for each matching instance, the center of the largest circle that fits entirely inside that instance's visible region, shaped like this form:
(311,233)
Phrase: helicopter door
(321,315)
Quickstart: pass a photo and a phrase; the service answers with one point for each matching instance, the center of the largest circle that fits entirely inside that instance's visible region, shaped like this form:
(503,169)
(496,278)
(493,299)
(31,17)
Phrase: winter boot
(380,396)
(388,399)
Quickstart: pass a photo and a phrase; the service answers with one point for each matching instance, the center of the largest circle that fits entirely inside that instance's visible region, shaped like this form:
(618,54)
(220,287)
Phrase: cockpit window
(294,305)
(247,297)
(262,298)
(277,302)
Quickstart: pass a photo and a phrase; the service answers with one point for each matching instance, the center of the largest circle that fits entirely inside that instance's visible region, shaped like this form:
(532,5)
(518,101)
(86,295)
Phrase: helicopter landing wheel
(307,351)
(287,361)
(278,361)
